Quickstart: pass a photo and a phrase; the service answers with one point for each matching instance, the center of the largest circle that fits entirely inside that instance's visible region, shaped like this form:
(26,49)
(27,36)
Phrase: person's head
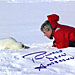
(47,29)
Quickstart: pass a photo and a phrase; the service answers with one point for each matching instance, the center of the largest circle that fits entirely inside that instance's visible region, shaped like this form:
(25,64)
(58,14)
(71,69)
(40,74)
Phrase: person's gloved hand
(54,45)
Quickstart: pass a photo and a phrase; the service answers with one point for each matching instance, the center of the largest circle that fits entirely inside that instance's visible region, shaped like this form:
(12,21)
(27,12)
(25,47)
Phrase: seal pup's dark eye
(23,46)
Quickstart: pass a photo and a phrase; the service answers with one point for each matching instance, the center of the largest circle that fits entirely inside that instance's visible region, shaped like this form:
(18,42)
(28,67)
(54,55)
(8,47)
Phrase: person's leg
(71,43)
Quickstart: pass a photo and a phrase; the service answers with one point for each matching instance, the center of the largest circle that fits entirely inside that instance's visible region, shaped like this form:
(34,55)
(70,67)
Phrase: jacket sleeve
(61,39)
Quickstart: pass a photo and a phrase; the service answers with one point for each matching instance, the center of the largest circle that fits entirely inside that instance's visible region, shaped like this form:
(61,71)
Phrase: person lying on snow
(64,36)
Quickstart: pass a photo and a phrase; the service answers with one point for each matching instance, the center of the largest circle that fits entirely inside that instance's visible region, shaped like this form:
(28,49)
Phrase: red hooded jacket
(62,33)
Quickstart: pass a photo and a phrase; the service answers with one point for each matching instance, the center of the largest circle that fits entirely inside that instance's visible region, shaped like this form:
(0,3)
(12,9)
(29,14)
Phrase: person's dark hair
(46,25)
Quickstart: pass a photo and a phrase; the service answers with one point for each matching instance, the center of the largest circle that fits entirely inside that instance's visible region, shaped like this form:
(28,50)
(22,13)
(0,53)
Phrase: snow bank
(38,60)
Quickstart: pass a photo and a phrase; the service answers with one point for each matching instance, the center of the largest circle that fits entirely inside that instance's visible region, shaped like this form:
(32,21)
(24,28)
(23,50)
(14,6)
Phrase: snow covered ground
(22,21)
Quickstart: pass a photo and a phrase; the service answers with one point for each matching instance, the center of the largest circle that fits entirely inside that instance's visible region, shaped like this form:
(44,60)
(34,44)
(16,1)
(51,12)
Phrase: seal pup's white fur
(10,43)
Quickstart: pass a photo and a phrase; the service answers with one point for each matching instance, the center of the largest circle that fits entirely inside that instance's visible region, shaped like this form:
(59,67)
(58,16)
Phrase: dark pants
(71,43)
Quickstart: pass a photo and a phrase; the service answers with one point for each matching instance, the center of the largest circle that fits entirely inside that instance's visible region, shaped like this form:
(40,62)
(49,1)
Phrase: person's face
(47,33)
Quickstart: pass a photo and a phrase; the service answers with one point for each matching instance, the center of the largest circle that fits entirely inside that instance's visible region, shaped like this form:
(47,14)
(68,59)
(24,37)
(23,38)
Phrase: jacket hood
(53,20)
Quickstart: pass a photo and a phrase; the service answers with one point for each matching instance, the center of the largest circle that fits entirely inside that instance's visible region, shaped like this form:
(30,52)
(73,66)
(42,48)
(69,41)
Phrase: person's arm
(61,38)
